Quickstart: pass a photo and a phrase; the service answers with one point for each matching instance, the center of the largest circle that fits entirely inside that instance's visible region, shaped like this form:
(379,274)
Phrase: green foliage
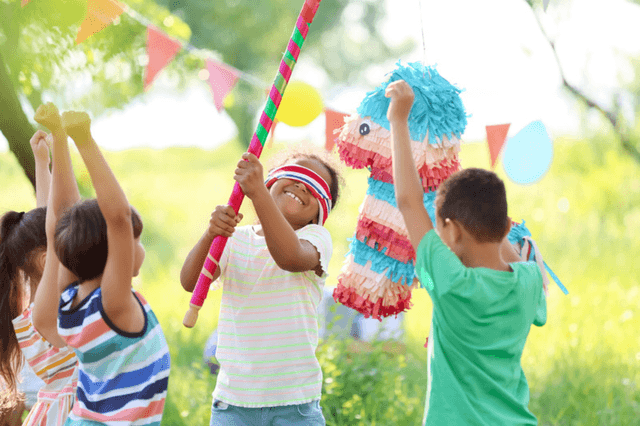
(583,366)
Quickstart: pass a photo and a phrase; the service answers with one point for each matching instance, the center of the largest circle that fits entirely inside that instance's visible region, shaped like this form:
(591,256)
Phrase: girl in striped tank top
(123,356)
(273,274)
(50,392)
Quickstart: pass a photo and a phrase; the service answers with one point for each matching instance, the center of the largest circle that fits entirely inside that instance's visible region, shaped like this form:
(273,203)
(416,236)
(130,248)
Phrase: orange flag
(496,135)
(335,120)
(161,50)
(100,14)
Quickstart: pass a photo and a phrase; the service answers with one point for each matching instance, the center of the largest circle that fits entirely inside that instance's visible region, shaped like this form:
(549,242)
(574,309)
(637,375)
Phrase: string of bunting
(162,49)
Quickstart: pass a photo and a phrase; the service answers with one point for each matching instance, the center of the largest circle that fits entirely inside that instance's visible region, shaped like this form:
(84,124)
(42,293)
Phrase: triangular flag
(24,2)
(221,79)
(545,3)
(496,135)
(161,50)
(100,14)
(335,120)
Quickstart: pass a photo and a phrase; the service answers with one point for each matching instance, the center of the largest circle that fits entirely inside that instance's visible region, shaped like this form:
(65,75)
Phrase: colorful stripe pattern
(259,137)
(123,376)
(57,367)
(313,181)
(378,273)
(268,323)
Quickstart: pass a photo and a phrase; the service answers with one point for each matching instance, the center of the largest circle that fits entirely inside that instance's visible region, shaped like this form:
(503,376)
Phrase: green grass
(583,366)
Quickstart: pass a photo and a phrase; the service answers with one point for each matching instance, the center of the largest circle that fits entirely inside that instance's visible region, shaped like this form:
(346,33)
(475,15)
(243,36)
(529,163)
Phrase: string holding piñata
(378,273)
(287,64)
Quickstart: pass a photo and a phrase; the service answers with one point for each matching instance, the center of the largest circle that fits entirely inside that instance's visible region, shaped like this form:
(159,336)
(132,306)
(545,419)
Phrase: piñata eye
(365,128)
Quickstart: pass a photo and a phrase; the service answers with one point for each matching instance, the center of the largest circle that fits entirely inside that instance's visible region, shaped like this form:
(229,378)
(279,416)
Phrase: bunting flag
(24,2)
(221,79)
(100,14)
(545,4)
(161,50)
(496,135)
(335,121)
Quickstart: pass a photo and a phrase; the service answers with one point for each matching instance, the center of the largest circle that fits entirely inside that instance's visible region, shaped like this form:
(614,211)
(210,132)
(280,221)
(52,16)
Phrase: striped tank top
(58,369)
(268,323)
(123,376)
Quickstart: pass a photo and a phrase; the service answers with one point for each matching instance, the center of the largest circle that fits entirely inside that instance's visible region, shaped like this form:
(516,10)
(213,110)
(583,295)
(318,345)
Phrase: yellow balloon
(300,105)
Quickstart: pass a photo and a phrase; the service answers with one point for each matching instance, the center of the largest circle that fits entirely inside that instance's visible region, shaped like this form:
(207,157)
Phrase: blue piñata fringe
(437,107)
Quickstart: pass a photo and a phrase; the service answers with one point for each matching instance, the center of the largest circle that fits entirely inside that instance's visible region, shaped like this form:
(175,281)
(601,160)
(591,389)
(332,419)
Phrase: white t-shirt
(268,323)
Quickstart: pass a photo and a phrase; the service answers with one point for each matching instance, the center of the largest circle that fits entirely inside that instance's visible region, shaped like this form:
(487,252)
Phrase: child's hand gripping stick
(257,143)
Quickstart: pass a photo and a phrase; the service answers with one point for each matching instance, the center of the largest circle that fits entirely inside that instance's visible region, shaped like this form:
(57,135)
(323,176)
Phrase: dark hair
(81,239)
(477,199)
(22,235)
(325,160)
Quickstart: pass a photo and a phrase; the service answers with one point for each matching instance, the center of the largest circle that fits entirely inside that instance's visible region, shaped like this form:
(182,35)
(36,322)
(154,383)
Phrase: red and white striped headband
(313,181)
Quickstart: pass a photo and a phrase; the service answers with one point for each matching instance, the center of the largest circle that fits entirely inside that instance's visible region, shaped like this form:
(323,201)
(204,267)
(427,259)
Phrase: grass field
(583,366)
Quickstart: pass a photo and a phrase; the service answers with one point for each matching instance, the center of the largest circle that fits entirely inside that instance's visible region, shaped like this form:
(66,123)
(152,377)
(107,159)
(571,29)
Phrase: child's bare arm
(119,303)
(409,191)
(288,251)
(223,222)
(62,194)
(41,156)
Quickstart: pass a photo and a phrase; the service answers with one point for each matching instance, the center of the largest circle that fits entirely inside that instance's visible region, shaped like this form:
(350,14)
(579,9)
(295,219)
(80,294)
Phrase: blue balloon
(527,156)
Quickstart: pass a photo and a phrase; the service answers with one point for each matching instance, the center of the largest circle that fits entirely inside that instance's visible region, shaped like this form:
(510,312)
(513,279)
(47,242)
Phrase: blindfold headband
(311,180)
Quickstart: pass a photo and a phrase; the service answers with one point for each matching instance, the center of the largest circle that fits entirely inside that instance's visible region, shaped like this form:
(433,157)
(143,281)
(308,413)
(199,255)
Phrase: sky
(493,49)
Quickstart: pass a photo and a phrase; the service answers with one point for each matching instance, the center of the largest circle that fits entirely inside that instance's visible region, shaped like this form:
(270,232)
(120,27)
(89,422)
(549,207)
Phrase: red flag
(161,50)
(496,135)
(100,14)
(221,79)
(335,120)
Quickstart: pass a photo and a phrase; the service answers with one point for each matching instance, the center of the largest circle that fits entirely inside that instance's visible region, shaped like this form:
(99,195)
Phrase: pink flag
(221,79)
(496,135)
(335,120)
(161,50)
(24,2)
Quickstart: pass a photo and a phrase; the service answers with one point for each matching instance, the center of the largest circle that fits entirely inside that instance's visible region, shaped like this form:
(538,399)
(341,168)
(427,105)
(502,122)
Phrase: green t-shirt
(481,319)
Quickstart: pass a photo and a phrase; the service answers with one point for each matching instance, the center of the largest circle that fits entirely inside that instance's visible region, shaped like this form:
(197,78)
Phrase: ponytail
(20,234)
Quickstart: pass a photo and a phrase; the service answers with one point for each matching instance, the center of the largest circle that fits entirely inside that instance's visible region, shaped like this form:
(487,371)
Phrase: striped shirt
(268,323)
(57,367)
(122,376)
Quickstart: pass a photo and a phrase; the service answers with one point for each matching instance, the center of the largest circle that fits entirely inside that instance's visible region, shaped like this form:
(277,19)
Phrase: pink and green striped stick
(257,143)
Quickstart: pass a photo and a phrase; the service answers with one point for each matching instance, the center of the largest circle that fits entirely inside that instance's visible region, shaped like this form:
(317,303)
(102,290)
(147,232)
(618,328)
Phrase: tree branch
(612,117)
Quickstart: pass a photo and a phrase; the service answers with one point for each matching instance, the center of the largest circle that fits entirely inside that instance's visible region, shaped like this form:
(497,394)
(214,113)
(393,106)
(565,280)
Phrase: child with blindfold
(273,274)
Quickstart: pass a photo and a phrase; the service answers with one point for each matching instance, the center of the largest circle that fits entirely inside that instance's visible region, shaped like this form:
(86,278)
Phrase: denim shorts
(308,414)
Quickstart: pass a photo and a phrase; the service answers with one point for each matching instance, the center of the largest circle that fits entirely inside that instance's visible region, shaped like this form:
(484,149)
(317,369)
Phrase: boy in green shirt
(484,298)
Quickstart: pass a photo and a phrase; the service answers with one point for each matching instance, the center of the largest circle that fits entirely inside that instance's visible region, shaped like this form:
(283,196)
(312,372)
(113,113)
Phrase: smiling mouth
(294,196)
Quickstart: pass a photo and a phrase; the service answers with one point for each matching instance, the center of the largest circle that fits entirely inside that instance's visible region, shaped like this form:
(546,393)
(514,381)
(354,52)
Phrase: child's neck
(85,289)
(484,255)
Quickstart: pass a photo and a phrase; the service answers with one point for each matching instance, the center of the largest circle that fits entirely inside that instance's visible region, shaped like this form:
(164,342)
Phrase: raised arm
(43,176)
(223,222)
(118,301)
(288,251)
(406,182)
(62,194)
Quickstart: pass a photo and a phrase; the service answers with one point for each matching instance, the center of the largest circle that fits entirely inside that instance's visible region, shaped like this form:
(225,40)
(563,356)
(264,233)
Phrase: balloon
(527,156)
(300,105)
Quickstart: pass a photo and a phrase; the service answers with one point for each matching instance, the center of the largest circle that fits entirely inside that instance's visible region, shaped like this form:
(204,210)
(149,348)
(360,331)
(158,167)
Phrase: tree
(40,61)
(626,133)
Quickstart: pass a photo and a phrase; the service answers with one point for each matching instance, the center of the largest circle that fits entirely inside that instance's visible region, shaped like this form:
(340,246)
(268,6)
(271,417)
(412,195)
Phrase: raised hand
(401,95)
(78,126)
(49,116)
(40,146)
